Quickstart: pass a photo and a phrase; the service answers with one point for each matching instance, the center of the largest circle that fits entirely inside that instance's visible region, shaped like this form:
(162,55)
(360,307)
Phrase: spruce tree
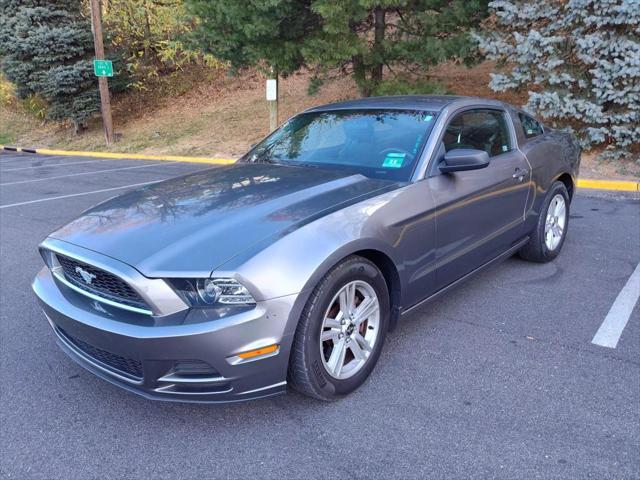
(374,41)
(579,61)
(46,48)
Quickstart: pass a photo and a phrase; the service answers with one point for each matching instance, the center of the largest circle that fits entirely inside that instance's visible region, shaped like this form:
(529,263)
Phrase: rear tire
(341,331)
(550,232)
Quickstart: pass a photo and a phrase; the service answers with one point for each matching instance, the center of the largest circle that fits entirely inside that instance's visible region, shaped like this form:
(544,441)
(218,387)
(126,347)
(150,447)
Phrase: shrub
(409,86)
(7,92)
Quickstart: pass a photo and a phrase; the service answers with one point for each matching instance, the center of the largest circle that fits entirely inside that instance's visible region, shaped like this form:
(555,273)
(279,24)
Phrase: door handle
(520,173)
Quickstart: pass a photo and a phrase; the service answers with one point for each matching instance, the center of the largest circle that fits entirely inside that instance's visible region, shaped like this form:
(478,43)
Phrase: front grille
(124,366)
(103,284)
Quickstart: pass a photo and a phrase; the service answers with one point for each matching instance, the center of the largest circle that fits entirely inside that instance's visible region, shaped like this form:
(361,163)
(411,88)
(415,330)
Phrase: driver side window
(481,129)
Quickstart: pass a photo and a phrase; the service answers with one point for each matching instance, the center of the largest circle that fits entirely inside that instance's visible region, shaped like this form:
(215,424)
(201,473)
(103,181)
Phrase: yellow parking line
(136,156)
(617,185)
(126,156)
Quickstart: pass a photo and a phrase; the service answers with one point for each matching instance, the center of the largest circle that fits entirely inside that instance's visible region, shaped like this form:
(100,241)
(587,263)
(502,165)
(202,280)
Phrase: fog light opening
(194,369)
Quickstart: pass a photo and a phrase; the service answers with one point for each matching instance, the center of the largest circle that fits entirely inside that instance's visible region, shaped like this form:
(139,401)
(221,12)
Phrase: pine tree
(370,40)
(579,60)
(267,33)
(401,37)
(46,49)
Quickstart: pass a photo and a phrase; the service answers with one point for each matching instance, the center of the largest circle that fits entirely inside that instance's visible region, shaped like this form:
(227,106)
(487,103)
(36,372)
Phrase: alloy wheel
(555,222)
(349,329)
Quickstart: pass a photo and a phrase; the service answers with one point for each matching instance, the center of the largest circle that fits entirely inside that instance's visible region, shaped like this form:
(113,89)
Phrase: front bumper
(147,357)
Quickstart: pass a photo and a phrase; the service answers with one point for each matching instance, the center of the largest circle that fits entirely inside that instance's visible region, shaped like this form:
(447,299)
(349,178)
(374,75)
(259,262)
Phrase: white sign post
(272,90)
(272,99)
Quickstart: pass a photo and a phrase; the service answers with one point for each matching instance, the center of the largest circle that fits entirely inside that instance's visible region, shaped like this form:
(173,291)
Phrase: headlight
(203,292)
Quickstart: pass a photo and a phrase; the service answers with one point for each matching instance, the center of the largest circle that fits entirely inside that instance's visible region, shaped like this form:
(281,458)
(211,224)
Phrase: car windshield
(383,144)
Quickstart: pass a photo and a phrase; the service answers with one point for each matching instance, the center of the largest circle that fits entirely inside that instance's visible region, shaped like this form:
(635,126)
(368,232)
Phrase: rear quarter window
(530,126)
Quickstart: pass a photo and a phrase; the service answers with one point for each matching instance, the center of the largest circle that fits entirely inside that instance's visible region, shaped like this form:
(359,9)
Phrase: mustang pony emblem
(86,276)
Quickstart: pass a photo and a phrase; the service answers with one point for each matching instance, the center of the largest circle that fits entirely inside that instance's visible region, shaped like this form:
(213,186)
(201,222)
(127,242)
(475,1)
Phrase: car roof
(433,103)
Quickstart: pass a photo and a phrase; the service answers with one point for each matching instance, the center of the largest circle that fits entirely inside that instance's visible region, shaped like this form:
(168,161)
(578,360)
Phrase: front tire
(550,233)
(341,331)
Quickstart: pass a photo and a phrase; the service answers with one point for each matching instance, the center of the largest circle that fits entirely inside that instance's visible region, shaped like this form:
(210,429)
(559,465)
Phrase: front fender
(295,263)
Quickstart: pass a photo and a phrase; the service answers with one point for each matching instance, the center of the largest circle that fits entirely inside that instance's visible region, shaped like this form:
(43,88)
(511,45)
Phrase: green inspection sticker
(394,160)
(428,118)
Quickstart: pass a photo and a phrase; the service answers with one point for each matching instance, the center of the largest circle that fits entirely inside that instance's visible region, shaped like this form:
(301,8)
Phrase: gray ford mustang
(290,266)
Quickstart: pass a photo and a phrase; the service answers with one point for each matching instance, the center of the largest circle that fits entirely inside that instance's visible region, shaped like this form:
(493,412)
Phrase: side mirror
(462,159)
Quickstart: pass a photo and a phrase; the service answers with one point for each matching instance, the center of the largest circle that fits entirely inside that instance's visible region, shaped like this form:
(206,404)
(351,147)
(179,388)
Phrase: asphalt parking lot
(497,379)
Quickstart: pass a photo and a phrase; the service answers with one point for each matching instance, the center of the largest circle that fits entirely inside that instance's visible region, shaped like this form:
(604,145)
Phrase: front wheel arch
(568,183)
(373,253)
(391,276)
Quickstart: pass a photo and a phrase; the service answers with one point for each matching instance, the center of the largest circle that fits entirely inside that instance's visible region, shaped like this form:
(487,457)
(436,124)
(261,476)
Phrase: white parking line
(4,161)
(609,332)
(80,194)
(54,165)
(19,182)
(27,157)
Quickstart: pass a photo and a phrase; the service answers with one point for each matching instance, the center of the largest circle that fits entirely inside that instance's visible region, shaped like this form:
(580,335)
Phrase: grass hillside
(204,111)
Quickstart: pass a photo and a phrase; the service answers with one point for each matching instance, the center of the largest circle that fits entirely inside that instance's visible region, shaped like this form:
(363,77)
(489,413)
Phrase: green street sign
(103,68)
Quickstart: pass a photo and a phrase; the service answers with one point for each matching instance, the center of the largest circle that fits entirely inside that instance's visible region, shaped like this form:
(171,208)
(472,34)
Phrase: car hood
(195,223)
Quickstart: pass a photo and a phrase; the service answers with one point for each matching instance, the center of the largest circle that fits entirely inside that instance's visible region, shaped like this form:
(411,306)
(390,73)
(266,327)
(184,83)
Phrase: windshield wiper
(267,159)
(264,156)
(301,164)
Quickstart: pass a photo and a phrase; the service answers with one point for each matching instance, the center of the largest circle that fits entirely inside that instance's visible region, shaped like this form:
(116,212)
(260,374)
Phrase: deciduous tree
(147,36)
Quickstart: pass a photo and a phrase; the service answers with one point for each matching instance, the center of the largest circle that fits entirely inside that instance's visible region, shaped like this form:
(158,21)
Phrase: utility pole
(105,101)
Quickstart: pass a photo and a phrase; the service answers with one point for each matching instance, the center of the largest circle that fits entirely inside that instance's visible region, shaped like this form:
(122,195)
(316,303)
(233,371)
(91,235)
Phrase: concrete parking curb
(614,185)
(122,156)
